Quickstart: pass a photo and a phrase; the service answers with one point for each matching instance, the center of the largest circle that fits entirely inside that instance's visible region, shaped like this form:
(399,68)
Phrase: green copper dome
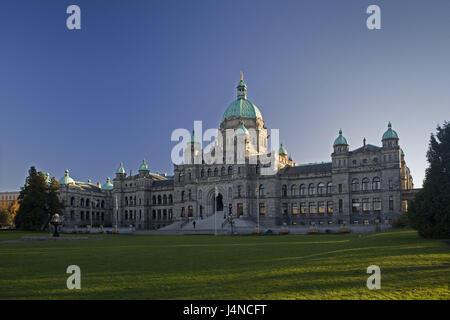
(242,130)
(390,134)
(121,170)
(242,108)
(194,137)
(144,166)
(108,185)
(340,140)
(282,150)
(66,179)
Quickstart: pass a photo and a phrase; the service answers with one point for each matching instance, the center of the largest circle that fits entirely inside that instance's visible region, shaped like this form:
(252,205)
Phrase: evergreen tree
(429,213)
(37,202)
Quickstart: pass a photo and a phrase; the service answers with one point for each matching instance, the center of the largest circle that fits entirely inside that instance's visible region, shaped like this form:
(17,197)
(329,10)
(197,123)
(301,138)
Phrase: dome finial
(242,89)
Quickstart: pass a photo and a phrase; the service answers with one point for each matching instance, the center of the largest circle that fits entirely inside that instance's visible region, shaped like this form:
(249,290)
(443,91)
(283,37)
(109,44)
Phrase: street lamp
(56,221)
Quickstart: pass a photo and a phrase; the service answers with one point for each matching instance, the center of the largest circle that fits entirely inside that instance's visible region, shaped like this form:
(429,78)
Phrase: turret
(120,173)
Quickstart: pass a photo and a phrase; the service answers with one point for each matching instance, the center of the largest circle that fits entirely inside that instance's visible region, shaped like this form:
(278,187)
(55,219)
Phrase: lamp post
(257,208)
(55,222)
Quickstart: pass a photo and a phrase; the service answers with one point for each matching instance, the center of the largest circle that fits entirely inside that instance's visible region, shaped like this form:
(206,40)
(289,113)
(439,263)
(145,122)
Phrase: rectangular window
(391,186)
(322,207)
(294,208)
(355,205)
(366,204)
(303,208)
(262,208)
(340,205)
(340,188)
(330,206)
(391,203)
(376,204)
(312,207)
(366,222)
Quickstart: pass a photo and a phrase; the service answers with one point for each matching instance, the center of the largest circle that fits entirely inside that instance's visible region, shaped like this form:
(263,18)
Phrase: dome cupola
(121,169)
(144,166)
(66,179)
(340,140)
(390,134)
(242,108)
(282,150)
(108,185)
(242,130)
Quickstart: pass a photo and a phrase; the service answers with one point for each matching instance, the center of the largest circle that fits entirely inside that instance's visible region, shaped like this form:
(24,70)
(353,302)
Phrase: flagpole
(215,211)
(117,213)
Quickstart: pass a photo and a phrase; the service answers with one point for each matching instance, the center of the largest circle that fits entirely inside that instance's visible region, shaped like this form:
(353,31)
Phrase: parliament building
(366,185)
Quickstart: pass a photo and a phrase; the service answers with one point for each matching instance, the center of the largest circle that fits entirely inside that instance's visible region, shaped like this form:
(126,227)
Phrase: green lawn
(225,267)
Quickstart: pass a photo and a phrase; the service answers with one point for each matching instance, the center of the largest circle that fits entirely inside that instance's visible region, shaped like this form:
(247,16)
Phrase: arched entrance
(214,204)
(219,202)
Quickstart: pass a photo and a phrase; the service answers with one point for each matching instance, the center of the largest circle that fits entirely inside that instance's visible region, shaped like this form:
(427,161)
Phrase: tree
(7,213)
(37,201)
(429,212)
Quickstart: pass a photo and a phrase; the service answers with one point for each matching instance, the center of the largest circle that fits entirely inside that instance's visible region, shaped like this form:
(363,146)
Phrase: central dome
(242,108)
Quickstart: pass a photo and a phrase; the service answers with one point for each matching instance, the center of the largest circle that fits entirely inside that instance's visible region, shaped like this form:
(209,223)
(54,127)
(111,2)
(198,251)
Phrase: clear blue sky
(114,91)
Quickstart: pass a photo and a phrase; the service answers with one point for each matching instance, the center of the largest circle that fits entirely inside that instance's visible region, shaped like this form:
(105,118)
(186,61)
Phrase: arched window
(103,204)
(200,195)
(365,184)
(87,202)
(222,171)
(284,190)
(230,170)
(258,169)
(202,173)
(126,214)
(321,188)
(294,190)
(216,172)
(164,199)
(230,193)
(209,172)
(82,202)
(153,200)
(329,188)
(72,201)
(182,195)
(239,191)
(189,194)
(170,199)
(355,185)
(376,183)
(312,189)
(302,190)
(159,199)
(154,214)
(261,190)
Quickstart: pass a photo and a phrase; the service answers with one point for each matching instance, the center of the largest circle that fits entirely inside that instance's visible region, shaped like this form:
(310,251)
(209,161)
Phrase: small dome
(108,185)
(340,140)
(242,130)
(66,179)
(194,138)
(290,158)
(121,170)
(144,166)
(282,150)
(390,134)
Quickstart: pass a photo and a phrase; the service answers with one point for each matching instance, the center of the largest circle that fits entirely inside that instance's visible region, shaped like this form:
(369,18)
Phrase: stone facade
(360,186)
